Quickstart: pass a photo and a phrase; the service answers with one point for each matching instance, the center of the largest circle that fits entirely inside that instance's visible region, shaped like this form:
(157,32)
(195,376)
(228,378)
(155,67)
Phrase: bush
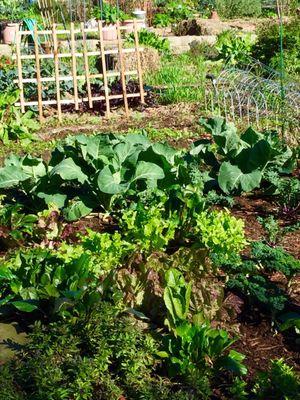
(239,8)
(267,45)
(233,47)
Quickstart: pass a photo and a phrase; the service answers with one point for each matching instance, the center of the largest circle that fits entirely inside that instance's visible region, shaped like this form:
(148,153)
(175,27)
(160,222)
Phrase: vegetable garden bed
(179,262)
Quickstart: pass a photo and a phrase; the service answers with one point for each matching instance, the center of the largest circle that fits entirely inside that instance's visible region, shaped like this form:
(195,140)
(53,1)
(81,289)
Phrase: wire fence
(254,92)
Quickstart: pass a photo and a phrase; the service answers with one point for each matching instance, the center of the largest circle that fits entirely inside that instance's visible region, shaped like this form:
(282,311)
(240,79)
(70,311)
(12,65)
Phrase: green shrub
(102,356)
(233,47)
(239,8)
(267,45)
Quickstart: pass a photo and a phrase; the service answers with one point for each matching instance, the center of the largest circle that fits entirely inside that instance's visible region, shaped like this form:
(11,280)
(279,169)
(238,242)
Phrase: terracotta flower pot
(110,32)
(9,33)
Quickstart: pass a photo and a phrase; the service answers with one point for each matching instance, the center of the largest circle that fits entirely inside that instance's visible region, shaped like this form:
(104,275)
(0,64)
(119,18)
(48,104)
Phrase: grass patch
(181,79)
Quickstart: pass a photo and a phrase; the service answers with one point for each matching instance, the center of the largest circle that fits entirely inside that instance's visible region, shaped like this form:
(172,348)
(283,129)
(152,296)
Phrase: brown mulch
(260,344)
(249,208)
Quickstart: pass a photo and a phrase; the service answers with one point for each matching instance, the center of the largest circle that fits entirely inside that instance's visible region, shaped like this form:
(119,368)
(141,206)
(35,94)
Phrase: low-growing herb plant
(151,39)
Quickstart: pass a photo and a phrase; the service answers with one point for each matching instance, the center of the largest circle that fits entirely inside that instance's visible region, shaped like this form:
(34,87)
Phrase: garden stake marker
(105,80)
(56,66)
(38,72)
(19,64)
(122,69)
(86,66)
(74,67)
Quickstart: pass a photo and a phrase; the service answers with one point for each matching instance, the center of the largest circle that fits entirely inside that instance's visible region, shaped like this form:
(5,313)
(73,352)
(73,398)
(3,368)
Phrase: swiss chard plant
(193,346)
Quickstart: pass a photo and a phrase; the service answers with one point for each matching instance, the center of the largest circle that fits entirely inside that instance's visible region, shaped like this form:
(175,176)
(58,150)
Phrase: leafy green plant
(178,10)
(272,229)
(102,355)
(287,191)
(259,291)
(214,198)
(15,226)
(219,232)
(149,228)
(107,251)
(108,13)
(281,382)
(275,259)
(177,296)
(14,10)
(192,347)
(242,160)
(239,8)
(266,48)
(151,39)
(162,20)
(13,124)
(234,48)
(43,279)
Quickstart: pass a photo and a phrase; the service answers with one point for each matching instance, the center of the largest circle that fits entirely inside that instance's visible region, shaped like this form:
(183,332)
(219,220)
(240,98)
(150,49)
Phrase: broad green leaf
(11,176)
(251,137)
(255,157)
(24,306)
(232,178)
(76,211)
(57,199)
(68,170)
(164,150)
(110,183)
(148,170)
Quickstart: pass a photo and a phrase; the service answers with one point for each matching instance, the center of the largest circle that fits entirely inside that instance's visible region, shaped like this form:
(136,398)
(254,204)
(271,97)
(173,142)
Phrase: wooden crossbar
(78,49)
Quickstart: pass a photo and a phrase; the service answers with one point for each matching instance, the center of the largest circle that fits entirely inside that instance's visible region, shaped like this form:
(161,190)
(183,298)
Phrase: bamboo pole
(139,64)
(86,66)
(122,70)
(74,66)
(19,65)
(56,67)
(104,72)
(38,73)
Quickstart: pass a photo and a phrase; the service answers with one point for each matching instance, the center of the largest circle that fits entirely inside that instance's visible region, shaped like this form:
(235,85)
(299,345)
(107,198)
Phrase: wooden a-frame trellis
(116,48)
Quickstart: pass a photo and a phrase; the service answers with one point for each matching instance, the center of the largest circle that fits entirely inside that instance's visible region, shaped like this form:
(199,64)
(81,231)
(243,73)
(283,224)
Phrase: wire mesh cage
(256,93)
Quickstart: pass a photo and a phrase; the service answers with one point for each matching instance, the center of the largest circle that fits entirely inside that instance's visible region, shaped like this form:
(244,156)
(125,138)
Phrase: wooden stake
(38,72)
(56,67)
(139,64)
(74,66)
(105,80)
(19,64)
(86,66)
(122,70)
